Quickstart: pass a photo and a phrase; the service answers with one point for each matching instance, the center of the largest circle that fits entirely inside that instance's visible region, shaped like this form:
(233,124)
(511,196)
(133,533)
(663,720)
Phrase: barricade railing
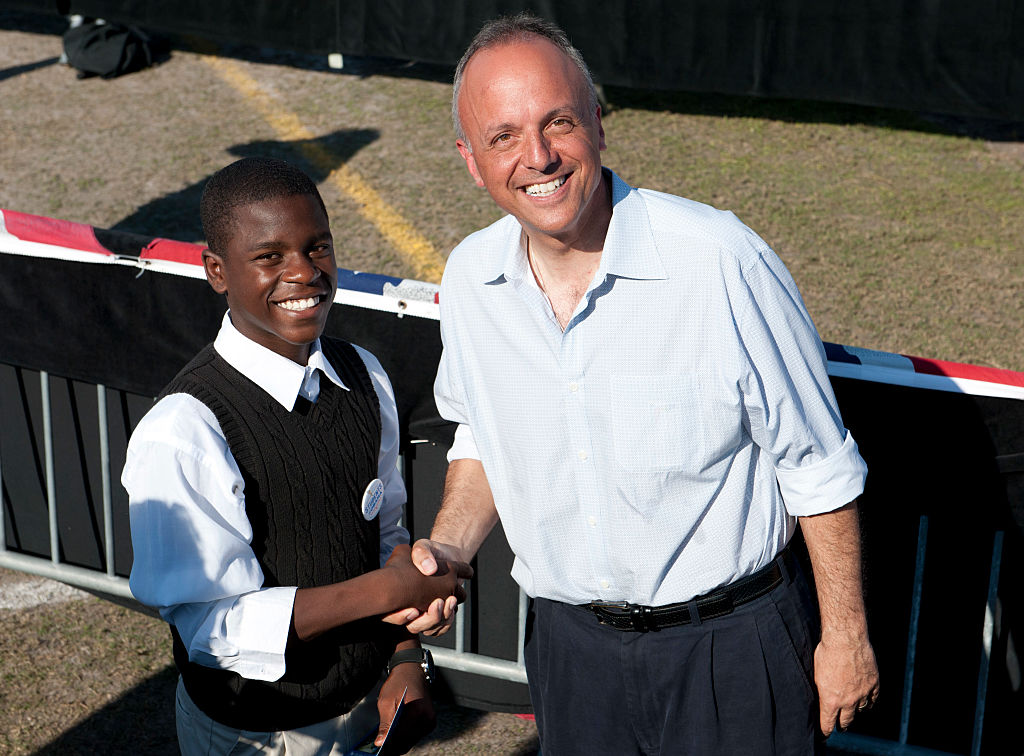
(458,658)
(461,660)
(106,581)
(856,743)
(109,583)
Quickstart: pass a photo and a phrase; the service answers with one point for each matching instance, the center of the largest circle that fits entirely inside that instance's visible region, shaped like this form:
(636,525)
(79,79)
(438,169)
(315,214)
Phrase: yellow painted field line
(426,262)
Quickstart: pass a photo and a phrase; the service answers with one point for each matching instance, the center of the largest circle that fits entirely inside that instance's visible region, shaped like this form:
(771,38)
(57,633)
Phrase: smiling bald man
(642,400)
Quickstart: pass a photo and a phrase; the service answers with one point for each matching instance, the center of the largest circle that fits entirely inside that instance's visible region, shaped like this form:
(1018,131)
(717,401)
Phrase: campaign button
(373,497)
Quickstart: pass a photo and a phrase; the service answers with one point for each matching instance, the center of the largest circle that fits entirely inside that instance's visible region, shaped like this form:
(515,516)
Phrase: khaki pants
(198,735)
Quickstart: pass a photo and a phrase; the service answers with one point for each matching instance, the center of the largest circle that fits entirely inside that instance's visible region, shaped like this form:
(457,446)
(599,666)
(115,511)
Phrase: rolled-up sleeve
(790,408)
(242,634)
(448,390)
(464,445)
(824,485)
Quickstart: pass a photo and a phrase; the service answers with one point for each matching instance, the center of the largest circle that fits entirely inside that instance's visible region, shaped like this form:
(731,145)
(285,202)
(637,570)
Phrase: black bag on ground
(107,50)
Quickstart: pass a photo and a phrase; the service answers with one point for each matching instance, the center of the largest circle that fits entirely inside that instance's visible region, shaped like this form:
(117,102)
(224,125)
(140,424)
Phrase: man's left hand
(418,718)
(846,675)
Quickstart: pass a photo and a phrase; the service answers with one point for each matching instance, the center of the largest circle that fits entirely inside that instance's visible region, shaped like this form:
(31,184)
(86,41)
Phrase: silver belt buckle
(596,608)
(610,604)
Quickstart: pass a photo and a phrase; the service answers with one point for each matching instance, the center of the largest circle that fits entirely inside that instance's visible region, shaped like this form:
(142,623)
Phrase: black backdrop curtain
(942,56)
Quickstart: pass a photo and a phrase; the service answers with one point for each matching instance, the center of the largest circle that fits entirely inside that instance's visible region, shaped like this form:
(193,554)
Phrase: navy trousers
(740,684)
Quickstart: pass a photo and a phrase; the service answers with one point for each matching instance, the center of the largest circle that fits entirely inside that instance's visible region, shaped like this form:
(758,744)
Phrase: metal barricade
(106,582)
(109,583)
(460,658)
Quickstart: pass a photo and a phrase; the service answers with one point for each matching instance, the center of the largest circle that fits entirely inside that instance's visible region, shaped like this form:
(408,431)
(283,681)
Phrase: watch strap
(419,656)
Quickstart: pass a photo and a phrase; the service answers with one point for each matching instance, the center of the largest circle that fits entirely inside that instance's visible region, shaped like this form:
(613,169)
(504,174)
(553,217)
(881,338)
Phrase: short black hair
(249,180)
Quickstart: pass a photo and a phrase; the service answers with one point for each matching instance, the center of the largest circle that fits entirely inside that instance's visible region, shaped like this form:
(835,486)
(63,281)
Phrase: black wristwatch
(419,656)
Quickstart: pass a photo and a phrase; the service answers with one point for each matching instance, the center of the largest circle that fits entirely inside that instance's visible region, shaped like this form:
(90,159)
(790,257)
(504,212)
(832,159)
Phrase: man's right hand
(467,516)
(430,557)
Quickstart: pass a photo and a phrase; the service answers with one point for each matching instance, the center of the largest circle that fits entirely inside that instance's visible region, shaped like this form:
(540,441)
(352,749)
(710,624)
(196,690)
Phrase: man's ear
(467,155)
(214,267)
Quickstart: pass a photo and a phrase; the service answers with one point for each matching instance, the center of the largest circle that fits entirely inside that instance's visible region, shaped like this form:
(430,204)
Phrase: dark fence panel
(944,56)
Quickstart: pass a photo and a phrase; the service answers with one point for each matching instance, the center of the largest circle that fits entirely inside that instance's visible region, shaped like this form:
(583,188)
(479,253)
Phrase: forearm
(405,682)
(833,543)
(845,670)
(323,608)
(467,513)
(396,586)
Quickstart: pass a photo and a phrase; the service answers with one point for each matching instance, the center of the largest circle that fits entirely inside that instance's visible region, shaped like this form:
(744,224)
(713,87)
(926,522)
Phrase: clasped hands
(434,573)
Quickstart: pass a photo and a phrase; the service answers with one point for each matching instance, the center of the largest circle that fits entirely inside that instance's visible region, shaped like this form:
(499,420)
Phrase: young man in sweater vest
(265,501)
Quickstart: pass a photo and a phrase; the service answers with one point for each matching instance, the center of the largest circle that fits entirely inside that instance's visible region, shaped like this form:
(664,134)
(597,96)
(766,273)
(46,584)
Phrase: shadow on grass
(140,721)
(180,210)
(9,73)
(453,722)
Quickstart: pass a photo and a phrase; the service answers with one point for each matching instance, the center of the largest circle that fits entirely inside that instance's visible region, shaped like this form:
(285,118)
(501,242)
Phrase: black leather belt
(625,616)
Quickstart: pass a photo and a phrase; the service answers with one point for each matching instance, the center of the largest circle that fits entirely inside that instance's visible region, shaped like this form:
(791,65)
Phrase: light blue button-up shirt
(663,444)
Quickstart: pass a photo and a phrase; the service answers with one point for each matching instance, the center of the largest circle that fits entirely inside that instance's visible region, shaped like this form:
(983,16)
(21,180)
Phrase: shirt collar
(515,267)
(630,250)
(277,375)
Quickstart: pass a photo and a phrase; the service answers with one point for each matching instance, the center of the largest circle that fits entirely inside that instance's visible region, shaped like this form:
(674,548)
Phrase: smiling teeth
(543,190)
(297,305)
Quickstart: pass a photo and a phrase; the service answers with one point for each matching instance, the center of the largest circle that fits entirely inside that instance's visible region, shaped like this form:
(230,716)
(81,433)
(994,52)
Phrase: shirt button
(582,455)
(604,583)
(574,387)
(592,521)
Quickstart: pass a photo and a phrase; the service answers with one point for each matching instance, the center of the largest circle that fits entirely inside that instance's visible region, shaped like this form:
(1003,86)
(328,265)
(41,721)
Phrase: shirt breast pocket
(655,422)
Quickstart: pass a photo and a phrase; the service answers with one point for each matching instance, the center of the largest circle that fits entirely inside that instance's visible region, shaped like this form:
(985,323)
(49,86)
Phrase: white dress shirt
(186,497)
(662,445)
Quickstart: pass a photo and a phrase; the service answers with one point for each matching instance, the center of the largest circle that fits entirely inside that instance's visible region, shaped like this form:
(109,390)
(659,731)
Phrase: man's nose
(540,153)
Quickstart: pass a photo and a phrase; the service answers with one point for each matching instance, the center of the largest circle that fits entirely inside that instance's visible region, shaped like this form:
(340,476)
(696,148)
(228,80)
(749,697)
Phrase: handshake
(431,576)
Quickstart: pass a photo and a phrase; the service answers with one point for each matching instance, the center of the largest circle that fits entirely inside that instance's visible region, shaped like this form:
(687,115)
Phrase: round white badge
(373,497)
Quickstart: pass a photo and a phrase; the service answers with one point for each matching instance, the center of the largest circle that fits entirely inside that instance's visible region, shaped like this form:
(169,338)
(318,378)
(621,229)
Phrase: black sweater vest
(305,472)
